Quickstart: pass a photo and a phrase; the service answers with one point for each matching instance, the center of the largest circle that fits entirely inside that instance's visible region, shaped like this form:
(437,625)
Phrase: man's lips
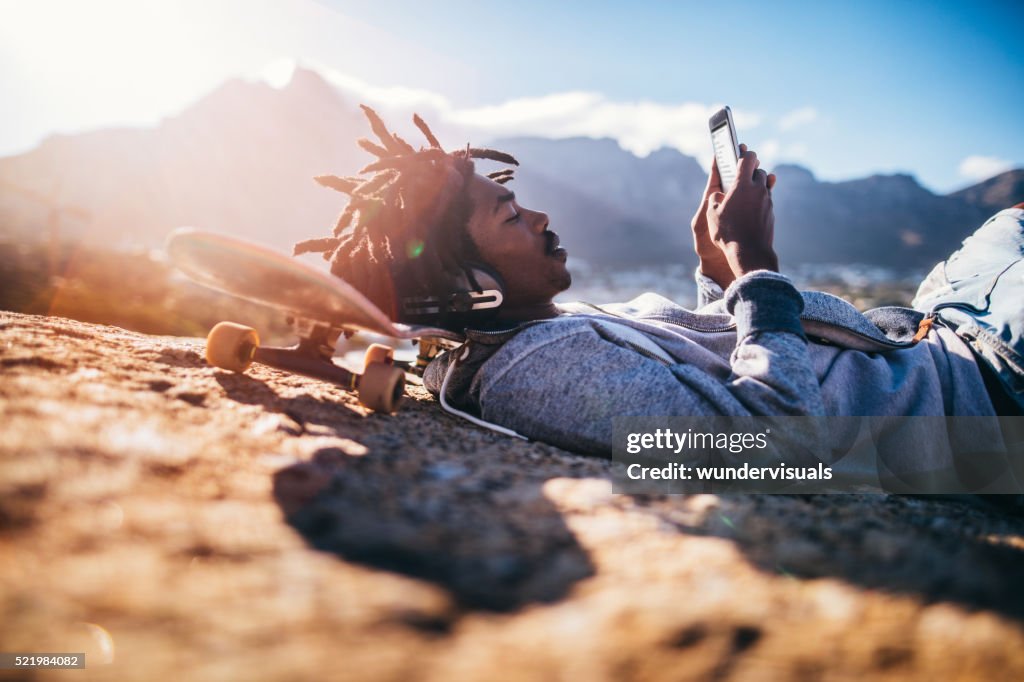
(551,247)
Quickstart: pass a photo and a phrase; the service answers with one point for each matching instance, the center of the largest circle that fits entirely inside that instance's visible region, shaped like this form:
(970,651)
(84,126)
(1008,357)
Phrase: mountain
(888,220)
(665,183)
(594,193)
(999,192)
(882,219)
(609,205)
(241,160)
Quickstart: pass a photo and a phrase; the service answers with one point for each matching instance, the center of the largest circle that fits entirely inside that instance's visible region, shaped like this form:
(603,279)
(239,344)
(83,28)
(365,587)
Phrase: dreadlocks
(403,231)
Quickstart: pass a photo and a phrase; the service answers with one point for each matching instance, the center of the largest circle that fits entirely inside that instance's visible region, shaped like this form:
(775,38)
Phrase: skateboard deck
(319,305)
(262,275)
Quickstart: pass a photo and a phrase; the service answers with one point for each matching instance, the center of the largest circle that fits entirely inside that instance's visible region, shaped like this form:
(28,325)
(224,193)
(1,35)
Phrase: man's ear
(481,277)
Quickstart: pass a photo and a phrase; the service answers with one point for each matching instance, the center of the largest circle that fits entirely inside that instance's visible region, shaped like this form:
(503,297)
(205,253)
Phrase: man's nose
(540,221)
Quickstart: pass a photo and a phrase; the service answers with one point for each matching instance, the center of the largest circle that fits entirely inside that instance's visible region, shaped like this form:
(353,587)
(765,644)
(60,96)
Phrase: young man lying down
(431,241)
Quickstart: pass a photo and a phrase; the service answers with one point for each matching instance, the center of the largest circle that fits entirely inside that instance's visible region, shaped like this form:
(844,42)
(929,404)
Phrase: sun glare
(119,61)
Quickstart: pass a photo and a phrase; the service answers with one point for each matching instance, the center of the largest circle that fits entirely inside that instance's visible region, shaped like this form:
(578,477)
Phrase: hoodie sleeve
(565,387)
(708,290)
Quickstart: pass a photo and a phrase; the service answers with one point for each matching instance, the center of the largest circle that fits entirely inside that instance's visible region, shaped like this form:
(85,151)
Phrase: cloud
(768,151)
(640,126)
(772,152)
(387,97)
(798,117)
(983,167)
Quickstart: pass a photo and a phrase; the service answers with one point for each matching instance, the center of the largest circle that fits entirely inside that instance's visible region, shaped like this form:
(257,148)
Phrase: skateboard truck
(379,387)
(430,348)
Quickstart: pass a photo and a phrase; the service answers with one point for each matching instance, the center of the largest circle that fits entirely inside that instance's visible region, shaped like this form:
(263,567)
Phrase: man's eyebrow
(511,196)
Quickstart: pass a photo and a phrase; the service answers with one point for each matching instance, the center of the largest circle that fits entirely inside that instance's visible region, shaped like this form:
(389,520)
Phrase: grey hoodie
(759,348)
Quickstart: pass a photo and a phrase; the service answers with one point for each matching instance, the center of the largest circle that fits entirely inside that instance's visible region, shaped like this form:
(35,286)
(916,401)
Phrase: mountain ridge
(241,160)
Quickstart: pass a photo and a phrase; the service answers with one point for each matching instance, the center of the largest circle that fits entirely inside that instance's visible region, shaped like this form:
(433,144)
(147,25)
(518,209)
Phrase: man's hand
(712,260)
(741,223)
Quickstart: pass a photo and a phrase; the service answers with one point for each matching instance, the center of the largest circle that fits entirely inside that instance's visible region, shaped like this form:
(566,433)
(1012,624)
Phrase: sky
(845,89)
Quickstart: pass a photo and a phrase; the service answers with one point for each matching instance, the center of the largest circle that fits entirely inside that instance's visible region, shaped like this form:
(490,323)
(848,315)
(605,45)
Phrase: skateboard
(319,307)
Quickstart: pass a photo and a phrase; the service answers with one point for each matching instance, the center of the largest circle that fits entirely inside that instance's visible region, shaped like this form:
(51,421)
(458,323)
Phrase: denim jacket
(759,348)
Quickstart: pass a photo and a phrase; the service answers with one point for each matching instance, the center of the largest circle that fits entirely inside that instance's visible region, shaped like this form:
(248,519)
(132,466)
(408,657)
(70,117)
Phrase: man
(428,229)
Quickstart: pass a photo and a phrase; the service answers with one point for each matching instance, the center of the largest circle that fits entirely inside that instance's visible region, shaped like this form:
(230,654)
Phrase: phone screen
(725,154)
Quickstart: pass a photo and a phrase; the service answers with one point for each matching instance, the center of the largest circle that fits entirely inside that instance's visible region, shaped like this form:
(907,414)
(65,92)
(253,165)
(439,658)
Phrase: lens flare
(414,248)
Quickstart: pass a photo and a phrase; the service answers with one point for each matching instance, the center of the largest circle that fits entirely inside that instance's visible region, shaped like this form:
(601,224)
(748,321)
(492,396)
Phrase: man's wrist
(743,260)
(718,270)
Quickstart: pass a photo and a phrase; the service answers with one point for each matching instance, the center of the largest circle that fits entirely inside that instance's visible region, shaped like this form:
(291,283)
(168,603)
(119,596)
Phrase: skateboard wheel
(231,346)
(378,352)
(381,387)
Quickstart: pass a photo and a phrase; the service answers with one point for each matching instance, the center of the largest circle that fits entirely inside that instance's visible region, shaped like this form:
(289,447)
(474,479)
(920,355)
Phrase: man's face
(515,241)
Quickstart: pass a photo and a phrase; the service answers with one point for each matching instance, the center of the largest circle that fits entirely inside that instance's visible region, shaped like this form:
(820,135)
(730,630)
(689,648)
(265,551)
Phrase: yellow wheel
(378,352)
(231,346)
(381,387)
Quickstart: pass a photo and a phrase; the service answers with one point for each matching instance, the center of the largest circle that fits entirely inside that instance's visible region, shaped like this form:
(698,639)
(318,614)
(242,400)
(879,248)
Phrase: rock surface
(175,521)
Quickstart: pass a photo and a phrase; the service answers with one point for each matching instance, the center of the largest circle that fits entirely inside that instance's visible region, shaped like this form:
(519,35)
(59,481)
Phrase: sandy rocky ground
(175,521)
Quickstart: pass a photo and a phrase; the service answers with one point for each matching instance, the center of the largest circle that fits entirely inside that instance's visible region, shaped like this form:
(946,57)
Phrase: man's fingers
(771,180)
(760,177)
(748,164)
(714,184)
(714,177)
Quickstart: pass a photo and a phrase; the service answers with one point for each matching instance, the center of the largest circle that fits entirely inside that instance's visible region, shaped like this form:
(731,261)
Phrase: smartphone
(727,149)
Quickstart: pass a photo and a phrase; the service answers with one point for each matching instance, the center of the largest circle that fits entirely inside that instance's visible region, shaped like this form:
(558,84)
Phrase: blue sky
(846,89)
(894,86)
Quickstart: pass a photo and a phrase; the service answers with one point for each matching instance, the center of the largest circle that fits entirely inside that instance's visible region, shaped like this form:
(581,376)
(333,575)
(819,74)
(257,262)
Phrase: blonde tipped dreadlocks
(404,229)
